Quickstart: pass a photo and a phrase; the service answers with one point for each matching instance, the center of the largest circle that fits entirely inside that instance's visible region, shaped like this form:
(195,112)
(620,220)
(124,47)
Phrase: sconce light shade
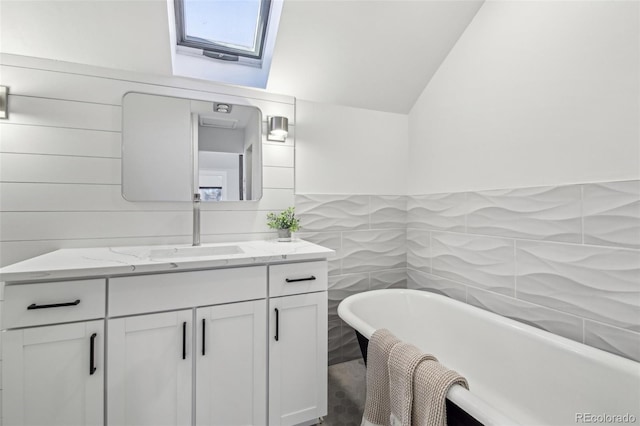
(278,129)
(4,98)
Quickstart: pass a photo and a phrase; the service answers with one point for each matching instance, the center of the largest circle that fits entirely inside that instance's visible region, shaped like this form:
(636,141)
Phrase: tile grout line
(582,213)
(430,252)
(515,269)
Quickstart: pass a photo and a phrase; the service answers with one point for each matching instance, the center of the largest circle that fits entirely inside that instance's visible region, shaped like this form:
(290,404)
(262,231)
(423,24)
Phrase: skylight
(226,41)
(223,29)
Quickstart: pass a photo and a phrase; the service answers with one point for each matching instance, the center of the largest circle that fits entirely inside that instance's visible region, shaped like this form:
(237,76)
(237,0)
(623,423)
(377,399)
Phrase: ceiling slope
(369,54)
(129,35)
(363,53)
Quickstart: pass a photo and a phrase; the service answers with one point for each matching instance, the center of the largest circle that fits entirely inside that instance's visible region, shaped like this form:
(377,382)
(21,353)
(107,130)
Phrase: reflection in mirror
(174,147)
(226,135)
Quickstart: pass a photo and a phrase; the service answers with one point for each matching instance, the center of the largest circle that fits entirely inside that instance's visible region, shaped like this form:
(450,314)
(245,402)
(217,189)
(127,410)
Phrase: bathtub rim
(463,398)
(469,402)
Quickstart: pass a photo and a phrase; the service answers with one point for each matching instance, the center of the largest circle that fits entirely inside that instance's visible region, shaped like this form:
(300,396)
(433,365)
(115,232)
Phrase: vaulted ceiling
(369,54)
(364,53)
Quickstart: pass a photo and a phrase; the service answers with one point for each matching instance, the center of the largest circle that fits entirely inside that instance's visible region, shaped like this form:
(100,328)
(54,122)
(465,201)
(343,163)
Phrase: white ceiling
(122,34)
(369,54)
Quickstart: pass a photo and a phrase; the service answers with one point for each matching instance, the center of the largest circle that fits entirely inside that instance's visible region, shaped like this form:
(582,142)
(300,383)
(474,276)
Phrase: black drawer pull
(184,340)
(92,361)
(295,280)
(204,323)
(53,305)
(277,336)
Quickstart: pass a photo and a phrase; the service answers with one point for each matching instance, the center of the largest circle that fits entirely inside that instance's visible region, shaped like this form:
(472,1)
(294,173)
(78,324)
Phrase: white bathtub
(517,374)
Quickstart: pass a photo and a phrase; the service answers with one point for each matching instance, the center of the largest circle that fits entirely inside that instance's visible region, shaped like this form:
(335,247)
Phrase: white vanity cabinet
(156,358)
(221,342)
(297,343)
(150,369)
(53,374)
(231,364)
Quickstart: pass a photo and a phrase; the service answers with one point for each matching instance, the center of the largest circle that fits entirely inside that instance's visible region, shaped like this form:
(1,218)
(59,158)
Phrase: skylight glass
(230,27)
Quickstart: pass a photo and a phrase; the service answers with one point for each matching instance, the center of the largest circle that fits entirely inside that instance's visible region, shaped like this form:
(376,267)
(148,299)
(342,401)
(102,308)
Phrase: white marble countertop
(109,261)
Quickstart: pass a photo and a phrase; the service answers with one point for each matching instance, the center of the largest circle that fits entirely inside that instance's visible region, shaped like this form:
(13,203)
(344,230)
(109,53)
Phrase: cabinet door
(231,370)
(297,358)
(54,375)
(150,366)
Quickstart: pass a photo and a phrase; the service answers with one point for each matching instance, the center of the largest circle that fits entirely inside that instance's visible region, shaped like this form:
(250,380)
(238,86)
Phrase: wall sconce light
(4,97)
(278,129)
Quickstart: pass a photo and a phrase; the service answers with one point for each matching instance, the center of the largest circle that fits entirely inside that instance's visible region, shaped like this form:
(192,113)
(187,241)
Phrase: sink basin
(182,252)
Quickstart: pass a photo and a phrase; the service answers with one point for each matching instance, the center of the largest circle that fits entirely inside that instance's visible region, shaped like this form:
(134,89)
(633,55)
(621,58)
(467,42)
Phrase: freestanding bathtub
(517,374)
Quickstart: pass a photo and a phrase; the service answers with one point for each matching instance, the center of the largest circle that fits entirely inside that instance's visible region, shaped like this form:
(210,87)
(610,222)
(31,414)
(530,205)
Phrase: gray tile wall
(368,234)
(565,259)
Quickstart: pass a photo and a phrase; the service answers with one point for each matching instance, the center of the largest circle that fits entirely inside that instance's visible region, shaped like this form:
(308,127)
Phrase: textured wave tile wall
(418,280)
(343,345)
(419,249)
(332,240)
(396,278)
(373,250)
(599,283)
(369,235)
(388,212)
(612,214)
(343,286)
(565,258)
(333,212)
(538,316)
(612,339)
(334,345)
(439,211)
(547,213)
(481,261)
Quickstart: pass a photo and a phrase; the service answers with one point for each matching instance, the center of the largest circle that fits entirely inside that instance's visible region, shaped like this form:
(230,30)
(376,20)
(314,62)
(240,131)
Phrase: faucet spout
(196,220)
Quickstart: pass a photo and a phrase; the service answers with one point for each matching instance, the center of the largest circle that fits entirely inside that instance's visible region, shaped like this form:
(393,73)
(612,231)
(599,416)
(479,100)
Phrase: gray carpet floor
(347,387)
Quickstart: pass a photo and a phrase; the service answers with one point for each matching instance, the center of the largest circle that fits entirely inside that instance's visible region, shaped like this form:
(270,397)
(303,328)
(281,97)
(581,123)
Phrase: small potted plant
(285,222)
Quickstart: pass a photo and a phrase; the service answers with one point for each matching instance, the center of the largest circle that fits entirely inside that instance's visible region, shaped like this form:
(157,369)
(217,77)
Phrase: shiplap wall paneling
(73,86)
(60,171)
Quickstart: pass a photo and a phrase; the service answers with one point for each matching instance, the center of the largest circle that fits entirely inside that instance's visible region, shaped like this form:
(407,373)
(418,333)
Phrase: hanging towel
(403,360)
(377,408)
(431,383)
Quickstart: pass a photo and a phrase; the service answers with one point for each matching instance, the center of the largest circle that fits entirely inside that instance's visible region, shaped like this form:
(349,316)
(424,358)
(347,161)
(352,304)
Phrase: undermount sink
(180,252)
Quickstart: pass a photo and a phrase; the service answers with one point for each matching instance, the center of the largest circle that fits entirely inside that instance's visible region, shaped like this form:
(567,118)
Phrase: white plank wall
(60,163)
(60,155)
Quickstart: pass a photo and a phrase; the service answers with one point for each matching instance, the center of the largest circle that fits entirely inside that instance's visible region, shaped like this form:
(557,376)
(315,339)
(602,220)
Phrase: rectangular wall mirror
(174,147)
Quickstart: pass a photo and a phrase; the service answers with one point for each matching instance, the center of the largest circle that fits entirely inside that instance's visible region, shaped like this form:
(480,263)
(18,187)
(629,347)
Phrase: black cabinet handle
(295,280)
(53,305)
(184,340)
(204,323)
(92,360)
(277,336)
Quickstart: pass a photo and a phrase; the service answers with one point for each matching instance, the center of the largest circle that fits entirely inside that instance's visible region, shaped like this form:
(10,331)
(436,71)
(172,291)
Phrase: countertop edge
(148,266)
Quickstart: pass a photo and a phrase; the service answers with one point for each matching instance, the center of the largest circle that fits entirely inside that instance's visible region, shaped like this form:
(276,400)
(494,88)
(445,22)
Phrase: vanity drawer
(297,278)
(50,303)
(179,290)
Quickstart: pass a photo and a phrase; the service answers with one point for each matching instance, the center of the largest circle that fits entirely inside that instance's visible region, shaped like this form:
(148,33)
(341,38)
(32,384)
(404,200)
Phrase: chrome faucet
(196,220)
